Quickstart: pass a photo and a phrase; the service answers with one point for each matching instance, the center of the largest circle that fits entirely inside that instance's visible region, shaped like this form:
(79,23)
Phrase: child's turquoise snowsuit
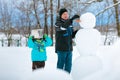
(38,52)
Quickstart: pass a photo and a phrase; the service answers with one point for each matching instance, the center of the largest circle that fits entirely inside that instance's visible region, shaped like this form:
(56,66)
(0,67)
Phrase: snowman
(87,42)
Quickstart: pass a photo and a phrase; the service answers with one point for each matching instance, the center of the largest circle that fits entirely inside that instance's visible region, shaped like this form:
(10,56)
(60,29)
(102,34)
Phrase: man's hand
(75,17)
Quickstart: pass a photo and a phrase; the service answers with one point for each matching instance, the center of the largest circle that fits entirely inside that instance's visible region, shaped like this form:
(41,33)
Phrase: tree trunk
(117,17)
(45,20)
(58,5)
(36,15)
(2,41)
(29,22)
(9,42)
(46,26)
(51,19)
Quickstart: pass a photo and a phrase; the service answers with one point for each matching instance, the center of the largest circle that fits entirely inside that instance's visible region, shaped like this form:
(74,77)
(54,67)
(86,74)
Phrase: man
(64,34)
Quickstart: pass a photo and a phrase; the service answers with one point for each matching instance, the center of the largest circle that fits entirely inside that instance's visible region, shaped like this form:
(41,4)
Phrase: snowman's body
(88,38)
(87,41)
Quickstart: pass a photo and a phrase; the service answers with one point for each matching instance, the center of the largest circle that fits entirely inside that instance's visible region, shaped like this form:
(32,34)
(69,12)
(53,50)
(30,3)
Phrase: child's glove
(45,35)
(75,17)
(31,37)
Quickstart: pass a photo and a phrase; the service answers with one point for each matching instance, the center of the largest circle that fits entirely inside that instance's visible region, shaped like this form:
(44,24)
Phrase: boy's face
(65,16)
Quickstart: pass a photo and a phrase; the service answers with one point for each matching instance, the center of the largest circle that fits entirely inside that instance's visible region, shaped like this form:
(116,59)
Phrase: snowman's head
(88,20)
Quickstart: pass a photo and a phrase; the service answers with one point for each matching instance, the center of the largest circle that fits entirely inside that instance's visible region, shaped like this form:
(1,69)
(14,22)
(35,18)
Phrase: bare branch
(108,8)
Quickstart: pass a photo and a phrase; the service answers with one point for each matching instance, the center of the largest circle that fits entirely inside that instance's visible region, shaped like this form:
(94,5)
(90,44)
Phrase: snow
(15,39)
(84,66)
(15,62)
(103,65)
(49,73)
(87,41)
(110,58)
(95,62)
(88,20)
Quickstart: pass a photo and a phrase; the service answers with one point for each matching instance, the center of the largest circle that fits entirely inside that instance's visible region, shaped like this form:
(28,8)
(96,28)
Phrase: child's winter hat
(62,11)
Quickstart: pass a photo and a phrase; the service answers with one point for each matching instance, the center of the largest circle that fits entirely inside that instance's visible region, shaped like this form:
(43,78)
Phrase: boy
(38,53)
(64,35)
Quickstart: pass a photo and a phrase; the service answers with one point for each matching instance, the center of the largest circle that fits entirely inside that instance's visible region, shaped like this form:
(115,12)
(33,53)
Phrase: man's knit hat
(62,11)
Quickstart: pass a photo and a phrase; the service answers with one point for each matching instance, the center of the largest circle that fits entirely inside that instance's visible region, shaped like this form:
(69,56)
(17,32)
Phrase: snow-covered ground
(15,62)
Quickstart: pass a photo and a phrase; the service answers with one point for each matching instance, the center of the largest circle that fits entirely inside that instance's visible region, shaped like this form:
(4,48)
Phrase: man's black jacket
(64,34)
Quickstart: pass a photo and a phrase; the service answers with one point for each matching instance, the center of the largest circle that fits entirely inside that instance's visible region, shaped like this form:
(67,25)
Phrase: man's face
(65,16)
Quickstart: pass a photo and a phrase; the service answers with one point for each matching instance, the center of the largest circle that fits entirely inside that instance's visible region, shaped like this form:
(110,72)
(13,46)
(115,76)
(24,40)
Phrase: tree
(107,35)
(51,2)
(116,5)
(45,5)
(117,16)
(35,6)
(24,16)
(58,5)
(6,13)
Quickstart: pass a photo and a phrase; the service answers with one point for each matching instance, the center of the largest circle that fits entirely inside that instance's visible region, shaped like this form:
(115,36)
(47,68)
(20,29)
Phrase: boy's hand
(45,35)
(31,37)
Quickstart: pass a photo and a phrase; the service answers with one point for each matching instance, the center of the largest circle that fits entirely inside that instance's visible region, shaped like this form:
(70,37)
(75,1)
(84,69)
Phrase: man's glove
(75,17)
